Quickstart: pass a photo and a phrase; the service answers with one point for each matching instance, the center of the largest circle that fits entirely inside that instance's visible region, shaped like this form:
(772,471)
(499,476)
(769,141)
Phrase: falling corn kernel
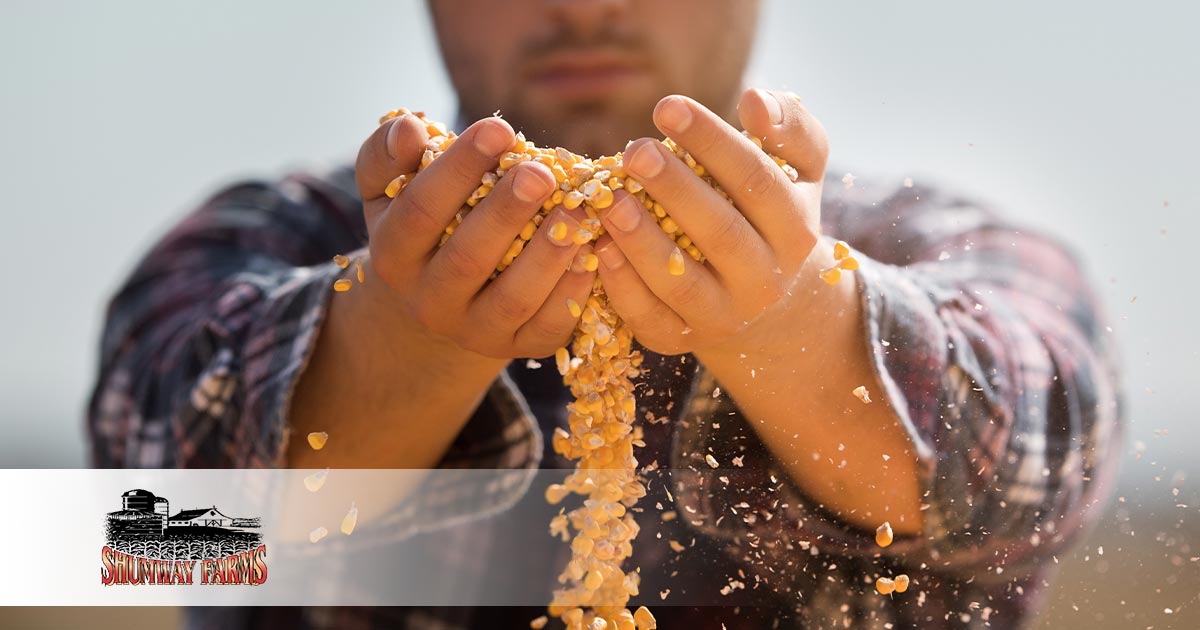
(711,461)
(350,520)
(555,493)
(840,250)
(675,263)
(901,583)
(314,481)
(885,586)
(563,359)
(883,534)
(831,275)
(317,440)
(341,286)
(860,393)
(341,261)
(539,623)
(848,263)
(644,619)
(574,308)
(317,534)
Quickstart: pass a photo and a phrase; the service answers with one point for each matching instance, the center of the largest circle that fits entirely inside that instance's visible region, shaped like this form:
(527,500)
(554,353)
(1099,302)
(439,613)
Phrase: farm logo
(146,545)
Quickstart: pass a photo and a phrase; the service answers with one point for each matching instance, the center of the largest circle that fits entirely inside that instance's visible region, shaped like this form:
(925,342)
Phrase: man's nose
(588,17)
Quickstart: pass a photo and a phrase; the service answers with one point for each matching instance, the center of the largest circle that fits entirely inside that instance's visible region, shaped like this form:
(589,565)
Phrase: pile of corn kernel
(598,369)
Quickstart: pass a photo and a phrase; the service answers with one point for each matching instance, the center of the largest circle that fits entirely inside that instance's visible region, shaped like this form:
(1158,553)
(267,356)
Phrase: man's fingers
(461,267)
(759,188)
(551,327)
(787,130)
(415,220)
(695,294)
(654,324)
(394,149)
(725,236)
(515,295)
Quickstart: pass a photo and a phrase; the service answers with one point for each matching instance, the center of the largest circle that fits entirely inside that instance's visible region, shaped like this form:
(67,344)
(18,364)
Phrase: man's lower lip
(585,83)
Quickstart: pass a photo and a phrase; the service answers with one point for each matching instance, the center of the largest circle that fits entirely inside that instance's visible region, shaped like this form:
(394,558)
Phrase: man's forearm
(389,394)
(793,374)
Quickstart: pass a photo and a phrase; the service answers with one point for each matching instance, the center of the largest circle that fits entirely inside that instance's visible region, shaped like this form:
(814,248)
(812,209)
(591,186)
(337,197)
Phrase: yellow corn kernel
(539,623)
(860,393)
(591,262)
(668,225)
(317,534)
(695,253)
(315,481)
(528,230)
(644,619)
(848,263)
(317,440)
(602,198)
(358,270)
(840,250)
(563,359)
(831,275)
(582,236)
(885,586)
(514,248)
(395,186)
(683,241)
(341,286)
(883,534)
(350,520)
(901,583)
(593,580)
(572,199)
(675,265)
(574,308)
(558,231)
(341,261)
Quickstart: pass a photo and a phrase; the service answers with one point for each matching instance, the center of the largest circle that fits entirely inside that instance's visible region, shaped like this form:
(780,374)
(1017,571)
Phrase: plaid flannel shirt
(986,336)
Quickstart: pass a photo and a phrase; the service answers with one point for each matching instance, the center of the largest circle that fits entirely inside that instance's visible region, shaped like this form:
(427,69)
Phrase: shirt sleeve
(992,350)
(206,340)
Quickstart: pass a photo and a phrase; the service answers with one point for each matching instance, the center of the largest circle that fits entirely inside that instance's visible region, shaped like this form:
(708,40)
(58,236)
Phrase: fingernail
(646,161)
(560,230)
(675,114)
(393,133)
(493,138)
(612,257)
(625,215)
(774,108)
(530,186)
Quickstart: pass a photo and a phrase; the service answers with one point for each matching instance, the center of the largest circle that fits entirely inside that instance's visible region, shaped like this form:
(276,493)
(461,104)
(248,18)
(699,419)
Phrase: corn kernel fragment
(317,440)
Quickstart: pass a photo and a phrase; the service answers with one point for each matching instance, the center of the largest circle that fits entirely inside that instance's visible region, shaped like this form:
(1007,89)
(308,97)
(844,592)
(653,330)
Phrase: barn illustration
(143,527)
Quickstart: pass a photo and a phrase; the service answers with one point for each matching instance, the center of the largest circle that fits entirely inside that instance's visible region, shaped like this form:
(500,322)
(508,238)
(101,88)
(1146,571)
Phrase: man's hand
(522,313)
(754,256)
(788,348)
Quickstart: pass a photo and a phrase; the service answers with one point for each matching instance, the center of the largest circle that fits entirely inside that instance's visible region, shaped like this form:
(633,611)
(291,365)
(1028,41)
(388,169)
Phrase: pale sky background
(1076,117)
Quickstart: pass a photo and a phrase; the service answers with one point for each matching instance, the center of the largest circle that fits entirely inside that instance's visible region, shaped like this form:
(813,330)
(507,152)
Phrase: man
(996,409)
